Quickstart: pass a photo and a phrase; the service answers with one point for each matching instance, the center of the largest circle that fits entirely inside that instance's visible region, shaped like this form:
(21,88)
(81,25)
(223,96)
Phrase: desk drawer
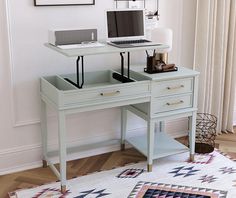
(99,88)
(171,103)
(172,87)
(108,93)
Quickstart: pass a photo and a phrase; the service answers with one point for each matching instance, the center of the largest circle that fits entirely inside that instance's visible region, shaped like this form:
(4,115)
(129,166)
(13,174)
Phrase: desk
(140,95)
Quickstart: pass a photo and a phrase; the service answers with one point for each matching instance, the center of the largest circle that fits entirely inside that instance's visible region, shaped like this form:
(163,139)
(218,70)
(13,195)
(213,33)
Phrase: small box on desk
(68,37)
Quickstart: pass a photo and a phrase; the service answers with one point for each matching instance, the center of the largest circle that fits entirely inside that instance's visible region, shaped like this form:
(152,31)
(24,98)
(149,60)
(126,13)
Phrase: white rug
(212,175)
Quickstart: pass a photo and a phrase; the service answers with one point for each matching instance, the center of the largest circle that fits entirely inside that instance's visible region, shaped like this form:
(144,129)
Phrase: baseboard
(28,157)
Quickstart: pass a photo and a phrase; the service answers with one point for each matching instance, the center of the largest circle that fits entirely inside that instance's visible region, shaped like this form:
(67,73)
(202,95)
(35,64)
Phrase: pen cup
(151,62)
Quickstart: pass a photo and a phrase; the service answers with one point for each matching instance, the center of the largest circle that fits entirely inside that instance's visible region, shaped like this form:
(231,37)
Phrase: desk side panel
(52,87)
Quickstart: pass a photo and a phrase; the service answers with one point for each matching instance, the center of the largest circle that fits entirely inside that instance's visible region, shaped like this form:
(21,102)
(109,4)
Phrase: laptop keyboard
(130,41)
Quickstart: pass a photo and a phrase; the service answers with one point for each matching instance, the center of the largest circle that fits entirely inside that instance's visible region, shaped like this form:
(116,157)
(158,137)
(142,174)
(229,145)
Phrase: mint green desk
(155,98)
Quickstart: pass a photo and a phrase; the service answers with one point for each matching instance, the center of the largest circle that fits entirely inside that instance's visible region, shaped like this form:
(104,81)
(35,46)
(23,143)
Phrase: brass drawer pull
(176,87)
(110,93)
(175,103)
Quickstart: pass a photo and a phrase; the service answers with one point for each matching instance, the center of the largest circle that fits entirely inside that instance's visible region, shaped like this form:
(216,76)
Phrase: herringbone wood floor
(39,176)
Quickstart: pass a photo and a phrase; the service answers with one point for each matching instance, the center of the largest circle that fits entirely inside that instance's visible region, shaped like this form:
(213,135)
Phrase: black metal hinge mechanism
(118,76)
(78,84)
(121,77)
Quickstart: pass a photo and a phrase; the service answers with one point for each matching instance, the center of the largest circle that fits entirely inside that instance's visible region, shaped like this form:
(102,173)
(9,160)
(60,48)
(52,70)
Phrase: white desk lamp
(163,36)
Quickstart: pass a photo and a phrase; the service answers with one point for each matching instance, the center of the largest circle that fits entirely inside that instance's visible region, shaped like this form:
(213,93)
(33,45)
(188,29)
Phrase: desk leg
(62,149)
(123,127)
(192,133)
(44,132)
(150,143)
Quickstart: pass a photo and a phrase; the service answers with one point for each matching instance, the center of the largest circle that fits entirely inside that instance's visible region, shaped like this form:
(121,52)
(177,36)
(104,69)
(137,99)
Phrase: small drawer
(172,87)
(171,103)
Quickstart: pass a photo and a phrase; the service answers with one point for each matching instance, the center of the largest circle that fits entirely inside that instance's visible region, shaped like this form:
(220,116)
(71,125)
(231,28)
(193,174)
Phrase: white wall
(28,59)
(188,32)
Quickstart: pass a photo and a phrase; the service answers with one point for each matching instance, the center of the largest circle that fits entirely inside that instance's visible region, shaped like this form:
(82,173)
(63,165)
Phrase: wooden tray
(149,72)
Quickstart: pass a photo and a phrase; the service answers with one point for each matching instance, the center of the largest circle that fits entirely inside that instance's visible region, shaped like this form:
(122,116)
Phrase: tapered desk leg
(44,132)
(62,149)
(150,144)
(192,133)
(123,127)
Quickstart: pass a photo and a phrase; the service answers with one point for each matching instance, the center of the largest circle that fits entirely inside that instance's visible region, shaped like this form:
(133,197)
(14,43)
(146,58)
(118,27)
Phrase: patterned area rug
(210,176)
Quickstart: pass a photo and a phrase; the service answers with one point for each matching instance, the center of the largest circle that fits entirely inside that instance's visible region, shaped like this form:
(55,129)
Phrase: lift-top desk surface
(106,49)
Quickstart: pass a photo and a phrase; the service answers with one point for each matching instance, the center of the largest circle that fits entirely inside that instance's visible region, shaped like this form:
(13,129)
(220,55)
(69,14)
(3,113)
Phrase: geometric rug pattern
(130,173)
(93,193)
(160,190)
(211,176)
(50,192)
(184,171)
(208,178)
(202,159)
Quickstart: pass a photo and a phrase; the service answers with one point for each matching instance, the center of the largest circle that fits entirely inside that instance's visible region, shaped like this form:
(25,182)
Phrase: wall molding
(19,149)
(15,122)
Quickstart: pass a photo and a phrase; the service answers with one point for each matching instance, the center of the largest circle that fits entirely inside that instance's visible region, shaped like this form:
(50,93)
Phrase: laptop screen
(125,23)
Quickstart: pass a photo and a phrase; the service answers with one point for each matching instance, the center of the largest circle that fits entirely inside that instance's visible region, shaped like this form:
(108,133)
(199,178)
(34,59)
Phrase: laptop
(126,28)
